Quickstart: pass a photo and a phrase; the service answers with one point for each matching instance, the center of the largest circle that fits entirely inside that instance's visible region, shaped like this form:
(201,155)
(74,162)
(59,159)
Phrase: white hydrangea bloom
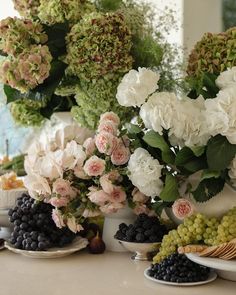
(136,86)
(221,114)
(145,172)
(232,172)
(227,78)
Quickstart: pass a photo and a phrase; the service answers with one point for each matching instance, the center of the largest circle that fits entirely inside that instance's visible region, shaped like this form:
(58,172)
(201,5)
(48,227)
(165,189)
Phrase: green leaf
(133,129)
(168,157)
(184,156)
(210,174)
(219,153)
(159,206)
(198,150)
(208,188)
(170,192)
(186,159)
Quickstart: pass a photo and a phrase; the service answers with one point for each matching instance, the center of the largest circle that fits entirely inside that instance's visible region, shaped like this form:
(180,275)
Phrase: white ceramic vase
(111,225)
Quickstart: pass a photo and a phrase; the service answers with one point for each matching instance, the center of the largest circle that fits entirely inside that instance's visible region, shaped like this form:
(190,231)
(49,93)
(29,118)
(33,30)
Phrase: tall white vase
(111,225)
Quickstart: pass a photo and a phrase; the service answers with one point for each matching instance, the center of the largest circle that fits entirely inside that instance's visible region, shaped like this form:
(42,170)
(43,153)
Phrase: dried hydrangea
(59,11)
(214,53)
(17,34)
(24,115)
(97,97)
(99,45)
(27,8)
(28,70)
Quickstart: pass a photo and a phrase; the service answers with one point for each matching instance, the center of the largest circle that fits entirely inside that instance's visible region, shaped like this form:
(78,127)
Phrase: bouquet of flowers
(71,55)
(83,175)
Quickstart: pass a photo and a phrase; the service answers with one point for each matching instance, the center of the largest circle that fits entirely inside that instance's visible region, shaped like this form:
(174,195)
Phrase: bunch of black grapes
(34,228)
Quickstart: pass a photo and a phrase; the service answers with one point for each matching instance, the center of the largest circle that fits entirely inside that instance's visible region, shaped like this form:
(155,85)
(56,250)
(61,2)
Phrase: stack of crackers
(224,251)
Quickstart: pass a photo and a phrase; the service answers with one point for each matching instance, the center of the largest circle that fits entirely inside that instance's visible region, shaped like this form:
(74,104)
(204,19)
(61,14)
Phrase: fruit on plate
(34,228)
(145,229)
(10,181)
(177,268)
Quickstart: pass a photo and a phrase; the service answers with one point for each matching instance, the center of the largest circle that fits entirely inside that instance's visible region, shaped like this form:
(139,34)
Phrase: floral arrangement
(176,137)
(83,175)
(71,55)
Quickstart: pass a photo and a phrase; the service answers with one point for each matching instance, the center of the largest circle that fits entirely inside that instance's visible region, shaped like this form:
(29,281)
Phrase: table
(87,274)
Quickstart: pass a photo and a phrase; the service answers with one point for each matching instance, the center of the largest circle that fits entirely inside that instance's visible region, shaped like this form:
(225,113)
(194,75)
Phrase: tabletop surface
(86,274)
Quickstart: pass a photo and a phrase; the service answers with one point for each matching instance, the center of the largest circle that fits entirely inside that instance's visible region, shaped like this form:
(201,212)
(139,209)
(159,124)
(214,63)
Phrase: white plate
(78,244)
(217,263)
(212,277)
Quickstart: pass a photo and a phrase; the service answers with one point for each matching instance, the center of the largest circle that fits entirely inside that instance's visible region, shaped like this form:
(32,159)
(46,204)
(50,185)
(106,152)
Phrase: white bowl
(8,197)
(140,250)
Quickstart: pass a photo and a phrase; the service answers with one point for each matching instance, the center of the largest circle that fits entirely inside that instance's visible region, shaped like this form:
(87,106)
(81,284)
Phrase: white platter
(224,268)
(78,244)
(211,278)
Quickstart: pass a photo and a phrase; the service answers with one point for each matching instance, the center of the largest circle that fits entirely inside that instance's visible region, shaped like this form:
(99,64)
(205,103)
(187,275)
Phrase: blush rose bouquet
(82,174)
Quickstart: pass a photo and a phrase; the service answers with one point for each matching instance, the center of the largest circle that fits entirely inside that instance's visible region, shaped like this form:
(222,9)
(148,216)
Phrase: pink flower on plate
(63,188)
(59,202)
(108,126)
(89,146)
(106,181)
(94,166)
(138,196)
(73,225)
(111,208)
(182,208)
(98,197)
(118,195)
(58,218)
(120,155)
(91,213)
(106,142)
(110,116)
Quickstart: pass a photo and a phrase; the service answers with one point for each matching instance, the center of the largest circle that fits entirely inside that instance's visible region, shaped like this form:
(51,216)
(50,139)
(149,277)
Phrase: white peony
(158,112)
(221,114)
(232,172)
(37,185)
(227,78)
(136,86)
(145,172)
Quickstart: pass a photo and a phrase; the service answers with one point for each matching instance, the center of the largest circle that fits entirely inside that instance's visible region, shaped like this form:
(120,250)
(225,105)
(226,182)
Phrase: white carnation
(145,172)
(136,86)
(227,78)
(221,114)
(158,112)
(232,172)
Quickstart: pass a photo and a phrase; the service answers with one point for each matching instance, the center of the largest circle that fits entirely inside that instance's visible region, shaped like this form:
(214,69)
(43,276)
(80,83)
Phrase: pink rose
(59,202)
(110,116)
(108,126)
(118,195)
(120,155)
(106,142)
(89,146)
(94,166)
(182,208)
(98,197)
(91,213)
(79,172)
(140,209)
(111,208)
(138,196)
(73,225)
(63,188)
(106,181)
(58,218)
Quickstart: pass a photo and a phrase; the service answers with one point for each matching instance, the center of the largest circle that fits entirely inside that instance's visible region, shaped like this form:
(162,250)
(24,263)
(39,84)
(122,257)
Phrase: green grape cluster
(198,229)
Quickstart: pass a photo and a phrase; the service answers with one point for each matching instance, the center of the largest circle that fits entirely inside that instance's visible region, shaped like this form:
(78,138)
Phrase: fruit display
(179,269)
(198,229)
(96,245)
(34,228)
(145,229)
(10,181)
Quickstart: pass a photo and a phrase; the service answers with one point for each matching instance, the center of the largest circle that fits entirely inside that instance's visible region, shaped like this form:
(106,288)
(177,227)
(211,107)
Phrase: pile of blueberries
(177,268)
(34,228)
(145,229)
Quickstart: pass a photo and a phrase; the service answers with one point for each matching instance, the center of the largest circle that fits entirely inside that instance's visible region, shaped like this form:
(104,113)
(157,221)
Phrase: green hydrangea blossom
(214,53)
(97,97)
(25,115)
(27,8)
(99,45)
(18,34)
(59,11)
